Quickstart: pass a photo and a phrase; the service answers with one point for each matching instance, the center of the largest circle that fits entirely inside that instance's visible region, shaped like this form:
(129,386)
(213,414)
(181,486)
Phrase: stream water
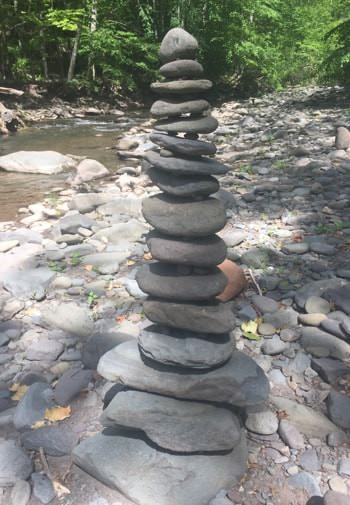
(83,137)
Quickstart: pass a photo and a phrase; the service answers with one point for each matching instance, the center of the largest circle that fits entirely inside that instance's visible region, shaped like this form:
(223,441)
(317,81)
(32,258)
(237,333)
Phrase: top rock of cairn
(177,44)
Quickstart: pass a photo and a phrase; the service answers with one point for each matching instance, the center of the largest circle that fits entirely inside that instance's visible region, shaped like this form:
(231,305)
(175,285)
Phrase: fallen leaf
(130,263)
(60,489)
(120,319)
(39,424)
(249,329)
(19,390)
(57,413)
(147,256)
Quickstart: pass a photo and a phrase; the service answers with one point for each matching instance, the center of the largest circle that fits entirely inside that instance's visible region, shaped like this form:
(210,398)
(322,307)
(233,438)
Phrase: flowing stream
(84,137)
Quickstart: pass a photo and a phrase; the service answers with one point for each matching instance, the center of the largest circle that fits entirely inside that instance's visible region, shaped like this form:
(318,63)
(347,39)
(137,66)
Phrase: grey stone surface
(54,440)
(290,435)
(36,162)
(14,463)
(344,466)
(69,317)
(203,252)
(169,108)
(183,146)
(205,124)
(32,406)
(330,370)
(99,344)
(212,318)
(44,349)
(178,347)
(170,215)
(165,281)
(43,488)
(323,345)
(334,498)
(316,304)
(181,68)
(70,384)
(315,288)
(24,283)
(263,422)
(282,318)
(340,297)
(305,480)
(20,493)
(265,304)
(239,382)
(162,478)
(201,166)
(70,223)
(338,407)
(309,461)
(182,87)
(178,44)
(342,138)
(179,426)
(183,185)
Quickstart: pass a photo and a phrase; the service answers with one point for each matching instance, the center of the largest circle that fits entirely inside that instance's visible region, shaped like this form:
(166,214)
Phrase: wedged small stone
(330,370)
(176,425)
(183,146)
(212,318)
(178,44)
(183,185)
(182,87)
(239,382)
(311,319)
(201,166)
(14,463)
(181,68)
(165,281)
(32,406)
(70,384)
(43,488)
(99,344)
(184,217)
(162,478)
(54,440)
(338,407)
(324,345)
(203,252)
(184,348)
(169,108)
(205,124)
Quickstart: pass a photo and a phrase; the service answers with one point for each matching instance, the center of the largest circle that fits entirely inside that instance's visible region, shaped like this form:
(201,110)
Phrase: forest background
(110,46)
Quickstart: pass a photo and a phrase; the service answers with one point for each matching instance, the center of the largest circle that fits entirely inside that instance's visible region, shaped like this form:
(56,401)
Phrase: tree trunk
(93,26)
(73,58)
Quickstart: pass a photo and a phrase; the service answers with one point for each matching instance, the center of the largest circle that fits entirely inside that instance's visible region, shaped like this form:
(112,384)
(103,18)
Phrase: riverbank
(69,293)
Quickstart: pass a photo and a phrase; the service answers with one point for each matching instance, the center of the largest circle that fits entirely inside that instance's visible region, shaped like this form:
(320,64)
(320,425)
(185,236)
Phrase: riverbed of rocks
(69,294)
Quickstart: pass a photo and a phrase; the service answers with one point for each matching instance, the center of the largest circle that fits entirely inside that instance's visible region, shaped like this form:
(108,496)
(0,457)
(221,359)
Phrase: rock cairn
(172,432)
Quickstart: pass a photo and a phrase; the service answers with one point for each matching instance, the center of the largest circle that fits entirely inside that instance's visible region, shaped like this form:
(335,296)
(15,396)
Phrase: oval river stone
(181,68)
(202,252)
(183,185)
(183,217)
(201,166)
(164,108)
(178,44)
(206,124)
(181,87)
(165,281)
(183,146)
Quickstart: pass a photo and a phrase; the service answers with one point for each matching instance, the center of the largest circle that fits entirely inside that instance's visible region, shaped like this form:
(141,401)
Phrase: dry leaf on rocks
(19,390)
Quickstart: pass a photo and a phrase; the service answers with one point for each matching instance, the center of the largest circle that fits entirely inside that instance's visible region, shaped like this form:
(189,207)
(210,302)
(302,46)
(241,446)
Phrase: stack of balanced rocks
(173,431)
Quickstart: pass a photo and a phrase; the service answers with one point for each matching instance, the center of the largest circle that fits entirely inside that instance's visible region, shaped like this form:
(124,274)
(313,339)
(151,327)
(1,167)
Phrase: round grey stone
(182,217)
(183,348)
(165,281)
(183,146)
(211,318)
(181,68)
(183,185)
(263,423)
(169,108)
(178,44)
(201,166)
(43,488)
(14,463)
(54,440)
(318,305)
(203,252)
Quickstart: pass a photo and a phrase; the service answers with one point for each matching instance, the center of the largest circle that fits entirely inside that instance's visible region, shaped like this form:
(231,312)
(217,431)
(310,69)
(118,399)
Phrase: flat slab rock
(201,166)
(165,281)
(176,425)
(36,162)
(183,217)
(166,108)
(183,146)
(202,252)
(182,87)
(162,478)
(183,185)
(187,349)
(213,317)
(205,124)
(181,68)
(240,382)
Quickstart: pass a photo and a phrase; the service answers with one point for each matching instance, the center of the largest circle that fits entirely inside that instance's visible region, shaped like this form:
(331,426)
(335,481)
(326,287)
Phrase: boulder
(89,170)
(178,44)
(36,162)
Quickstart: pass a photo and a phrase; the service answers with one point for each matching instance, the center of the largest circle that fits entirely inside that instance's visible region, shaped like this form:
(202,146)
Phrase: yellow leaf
(130,262)
(39,424)
(250,328)
(20,390)
(57,413)
(60,489)
(147,256)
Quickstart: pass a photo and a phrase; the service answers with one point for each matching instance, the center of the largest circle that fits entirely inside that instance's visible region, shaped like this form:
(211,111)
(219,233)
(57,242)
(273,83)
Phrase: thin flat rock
(202,166)
(203,252)
(213,318)
(183,185)
(186,349)
(165,281)
(183,146)
(178,44)
(162,478)
(177,425)
(182,87)
(240,382)
(181,68)
(169,108)
(182,217)
(324,345)
(205,124)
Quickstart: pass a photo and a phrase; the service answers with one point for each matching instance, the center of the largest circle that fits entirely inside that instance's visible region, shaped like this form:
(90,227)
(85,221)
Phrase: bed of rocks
(69,294)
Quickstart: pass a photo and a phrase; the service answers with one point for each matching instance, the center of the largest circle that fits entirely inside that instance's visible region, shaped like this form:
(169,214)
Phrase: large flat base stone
(148,476)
